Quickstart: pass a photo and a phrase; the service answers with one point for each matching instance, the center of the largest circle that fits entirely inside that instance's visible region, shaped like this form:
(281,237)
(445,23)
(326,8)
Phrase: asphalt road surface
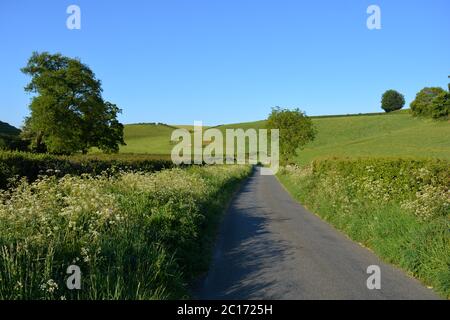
(270,247)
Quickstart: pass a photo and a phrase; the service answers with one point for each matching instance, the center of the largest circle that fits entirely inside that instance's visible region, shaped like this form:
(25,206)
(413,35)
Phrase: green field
(381,135)
(147,138)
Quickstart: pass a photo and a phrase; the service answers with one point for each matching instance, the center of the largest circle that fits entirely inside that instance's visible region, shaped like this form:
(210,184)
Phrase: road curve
(270,247)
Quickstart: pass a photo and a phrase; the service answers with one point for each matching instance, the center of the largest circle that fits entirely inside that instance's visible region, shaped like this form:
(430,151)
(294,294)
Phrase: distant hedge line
(15,164)
(11,142)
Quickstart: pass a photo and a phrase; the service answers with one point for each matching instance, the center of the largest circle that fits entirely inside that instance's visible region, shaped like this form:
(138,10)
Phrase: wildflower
(85,254)
(18,286)
(50,286)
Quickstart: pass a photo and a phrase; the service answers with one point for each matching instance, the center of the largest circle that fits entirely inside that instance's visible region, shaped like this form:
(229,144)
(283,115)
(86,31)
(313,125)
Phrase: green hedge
(22,164)
(400,177)
(10,142)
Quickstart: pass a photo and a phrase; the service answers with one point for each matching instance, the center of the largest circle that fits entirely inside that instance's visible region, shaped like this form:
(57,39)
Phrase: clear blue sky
(223,61)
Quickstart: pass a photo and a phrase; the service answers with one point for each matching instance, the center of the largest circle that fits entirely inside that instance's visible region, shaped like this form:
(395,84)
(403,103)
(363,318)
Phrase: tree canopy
(392,100)
(423,103)
(296,130)
(68,113)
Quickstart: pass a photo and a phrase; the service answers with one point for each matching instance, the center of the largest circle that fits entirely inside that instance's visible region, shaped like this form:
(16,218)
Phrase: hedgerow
(14,165)
(386,179)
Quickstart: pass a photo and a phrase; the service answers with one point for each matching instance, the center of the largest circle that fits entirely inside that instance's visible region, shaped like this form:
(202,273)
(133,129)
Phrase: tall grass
(134,235)
(398,208)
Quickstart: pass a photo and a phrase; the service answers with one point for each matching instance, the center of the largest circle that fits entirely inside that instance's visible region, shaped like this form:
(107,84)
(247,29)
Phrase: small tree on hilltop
(392,100)
(296,130)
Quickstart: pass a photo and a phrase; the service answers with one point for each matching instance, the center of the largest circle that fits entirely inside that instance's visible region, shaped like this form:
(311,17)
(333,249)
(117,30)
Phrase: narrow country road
(270,247)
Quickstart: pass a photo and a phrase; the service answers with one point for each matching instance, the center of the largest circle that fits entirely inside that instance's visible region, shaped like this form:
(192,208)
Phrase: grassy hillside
(150,138)
(9,137)
(7,129)
(380,135)
(383,135)
(147,138)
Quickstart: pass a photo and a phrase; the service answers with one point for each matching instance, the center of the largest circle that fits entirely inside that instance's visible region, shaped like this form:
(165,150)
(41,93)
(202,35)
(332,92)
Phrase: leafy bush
(392,100)
(440,106)
(21,164)
(398,207)
(423,104)
(134,235)
(296,130)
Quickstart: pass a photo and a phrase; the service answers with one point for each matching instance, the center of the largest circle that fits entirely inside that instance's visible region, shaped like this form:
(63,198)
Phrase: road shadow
(245,253)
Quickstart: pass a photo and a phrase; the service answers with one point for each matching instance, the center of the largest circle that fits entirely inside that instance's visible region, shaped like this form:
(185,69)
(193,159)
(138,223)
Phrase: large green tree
(68,113)
(296,130)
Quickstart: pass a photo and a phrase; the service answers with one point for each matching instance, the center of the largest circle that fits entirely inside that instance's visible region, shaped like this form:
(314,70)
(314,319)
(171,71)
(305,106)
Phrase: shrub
(440,106)
(392,100)
(423,104)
